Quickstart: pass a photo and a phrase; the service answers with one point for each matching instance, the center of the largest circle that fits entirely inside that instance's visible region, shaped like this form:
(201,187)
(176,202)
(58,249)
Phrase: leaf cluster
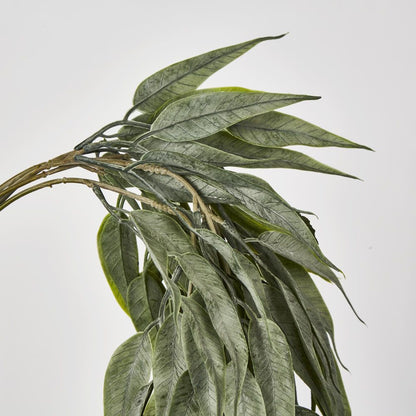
(224,306)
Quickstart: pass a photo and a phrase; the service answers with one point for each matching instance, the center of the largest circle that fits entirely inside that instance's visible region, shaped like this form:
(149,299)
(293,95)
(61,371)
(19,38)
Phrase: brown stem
(26,179)
(91,184)
(35,169)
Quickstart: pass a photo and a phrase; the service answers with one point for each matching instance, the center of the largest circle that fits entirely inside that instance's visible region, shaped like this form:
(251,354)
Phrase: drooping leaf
(221,311)
(274,129)
(167,238)
(251,401)
(198,116)
(183,400)
(187,75)
(168,365)
(163,238)
(117,249)
(245,271)
(205,358)
(249,191)
(311,293)
(144,296)
(272,365)
(127,380)
(290,316)
(321,324)
(315,306)
(287,246)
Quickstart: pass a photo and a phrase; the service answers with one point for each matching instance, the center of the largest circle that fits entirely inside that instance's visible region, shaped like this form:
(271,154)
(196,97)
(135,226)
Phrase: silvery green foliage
(227,301)
(224,306)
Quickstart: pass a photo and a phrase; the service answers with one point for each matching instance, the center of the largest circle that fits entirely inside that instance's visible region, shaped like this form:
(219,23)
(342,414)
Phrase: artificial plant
(224,307)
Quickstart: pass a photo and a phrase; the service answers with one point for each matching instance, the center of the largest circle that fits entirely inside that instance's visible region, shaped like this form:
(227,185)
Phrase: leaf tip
(280,36)
(367,148)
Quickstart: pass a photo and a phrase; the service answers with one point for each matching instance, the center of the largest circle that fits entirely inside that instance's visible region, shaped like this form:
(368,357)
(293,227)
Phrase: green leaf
(117,249)
(183,401)
(144,295)
(272,365)
(314,302)
(274,129)
(247,190)
(150,409)
(127,380)
(198,92)
(173,190)
(243,268)
(302,411)
(221,311)
(296,251)
(163,238)
(322,324)
(187,75)
(255,156)
(291,248)
(204,353)
(292,319)
(168,365)
(198,116)
(251,401)
(222,149)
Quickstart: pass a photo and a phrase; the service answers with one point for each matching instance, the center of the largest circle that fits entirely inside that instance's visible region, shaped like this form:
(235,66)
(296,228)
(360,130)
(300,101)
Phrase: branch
(91,184)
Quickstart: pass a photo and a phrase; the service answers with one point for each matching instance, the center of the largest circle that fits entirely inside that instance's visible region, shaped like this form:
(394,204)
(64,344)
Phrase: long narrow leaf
(127,380)
(162,244)
(199,116)
(293,320)
(272,365)
(183,400)
(245,271)
(253,193)
(274,129)
(205,359)
(187,75)
(221,311)
(251,401)
(222,149)
(293,249)
(164,237)
(168,365)
(117,249)
(144,296)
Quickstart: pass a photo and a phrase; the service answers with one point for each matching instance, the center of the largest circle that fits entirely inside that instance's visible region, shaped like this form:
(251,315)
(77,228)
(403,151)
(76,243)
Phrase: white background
(68,68)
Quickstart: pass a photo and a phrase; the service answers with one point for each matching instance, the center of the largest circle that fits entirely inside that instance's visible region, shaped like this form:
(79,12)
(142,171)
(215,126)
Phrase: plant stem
(91,184)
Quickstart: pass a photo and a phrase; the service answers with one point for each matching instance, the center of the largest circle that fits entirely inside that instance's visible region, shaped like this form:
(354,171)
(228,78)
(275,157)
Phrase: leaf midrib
(222,111)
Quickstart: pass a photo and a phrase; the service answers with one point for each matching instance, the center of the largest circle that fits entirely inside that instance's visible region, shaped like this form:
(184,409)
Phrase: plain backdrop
(68,68)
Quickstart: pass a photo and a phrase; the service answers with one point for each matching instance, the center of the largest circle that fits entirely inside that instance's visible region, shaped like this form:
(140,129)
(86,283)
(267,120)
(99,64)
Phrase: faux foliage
(224,306)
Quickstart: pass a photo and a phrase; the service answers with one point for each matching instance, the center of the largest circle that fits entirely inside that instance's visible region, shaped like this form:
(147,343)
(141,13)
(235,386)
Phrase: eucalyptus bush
(224,307)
